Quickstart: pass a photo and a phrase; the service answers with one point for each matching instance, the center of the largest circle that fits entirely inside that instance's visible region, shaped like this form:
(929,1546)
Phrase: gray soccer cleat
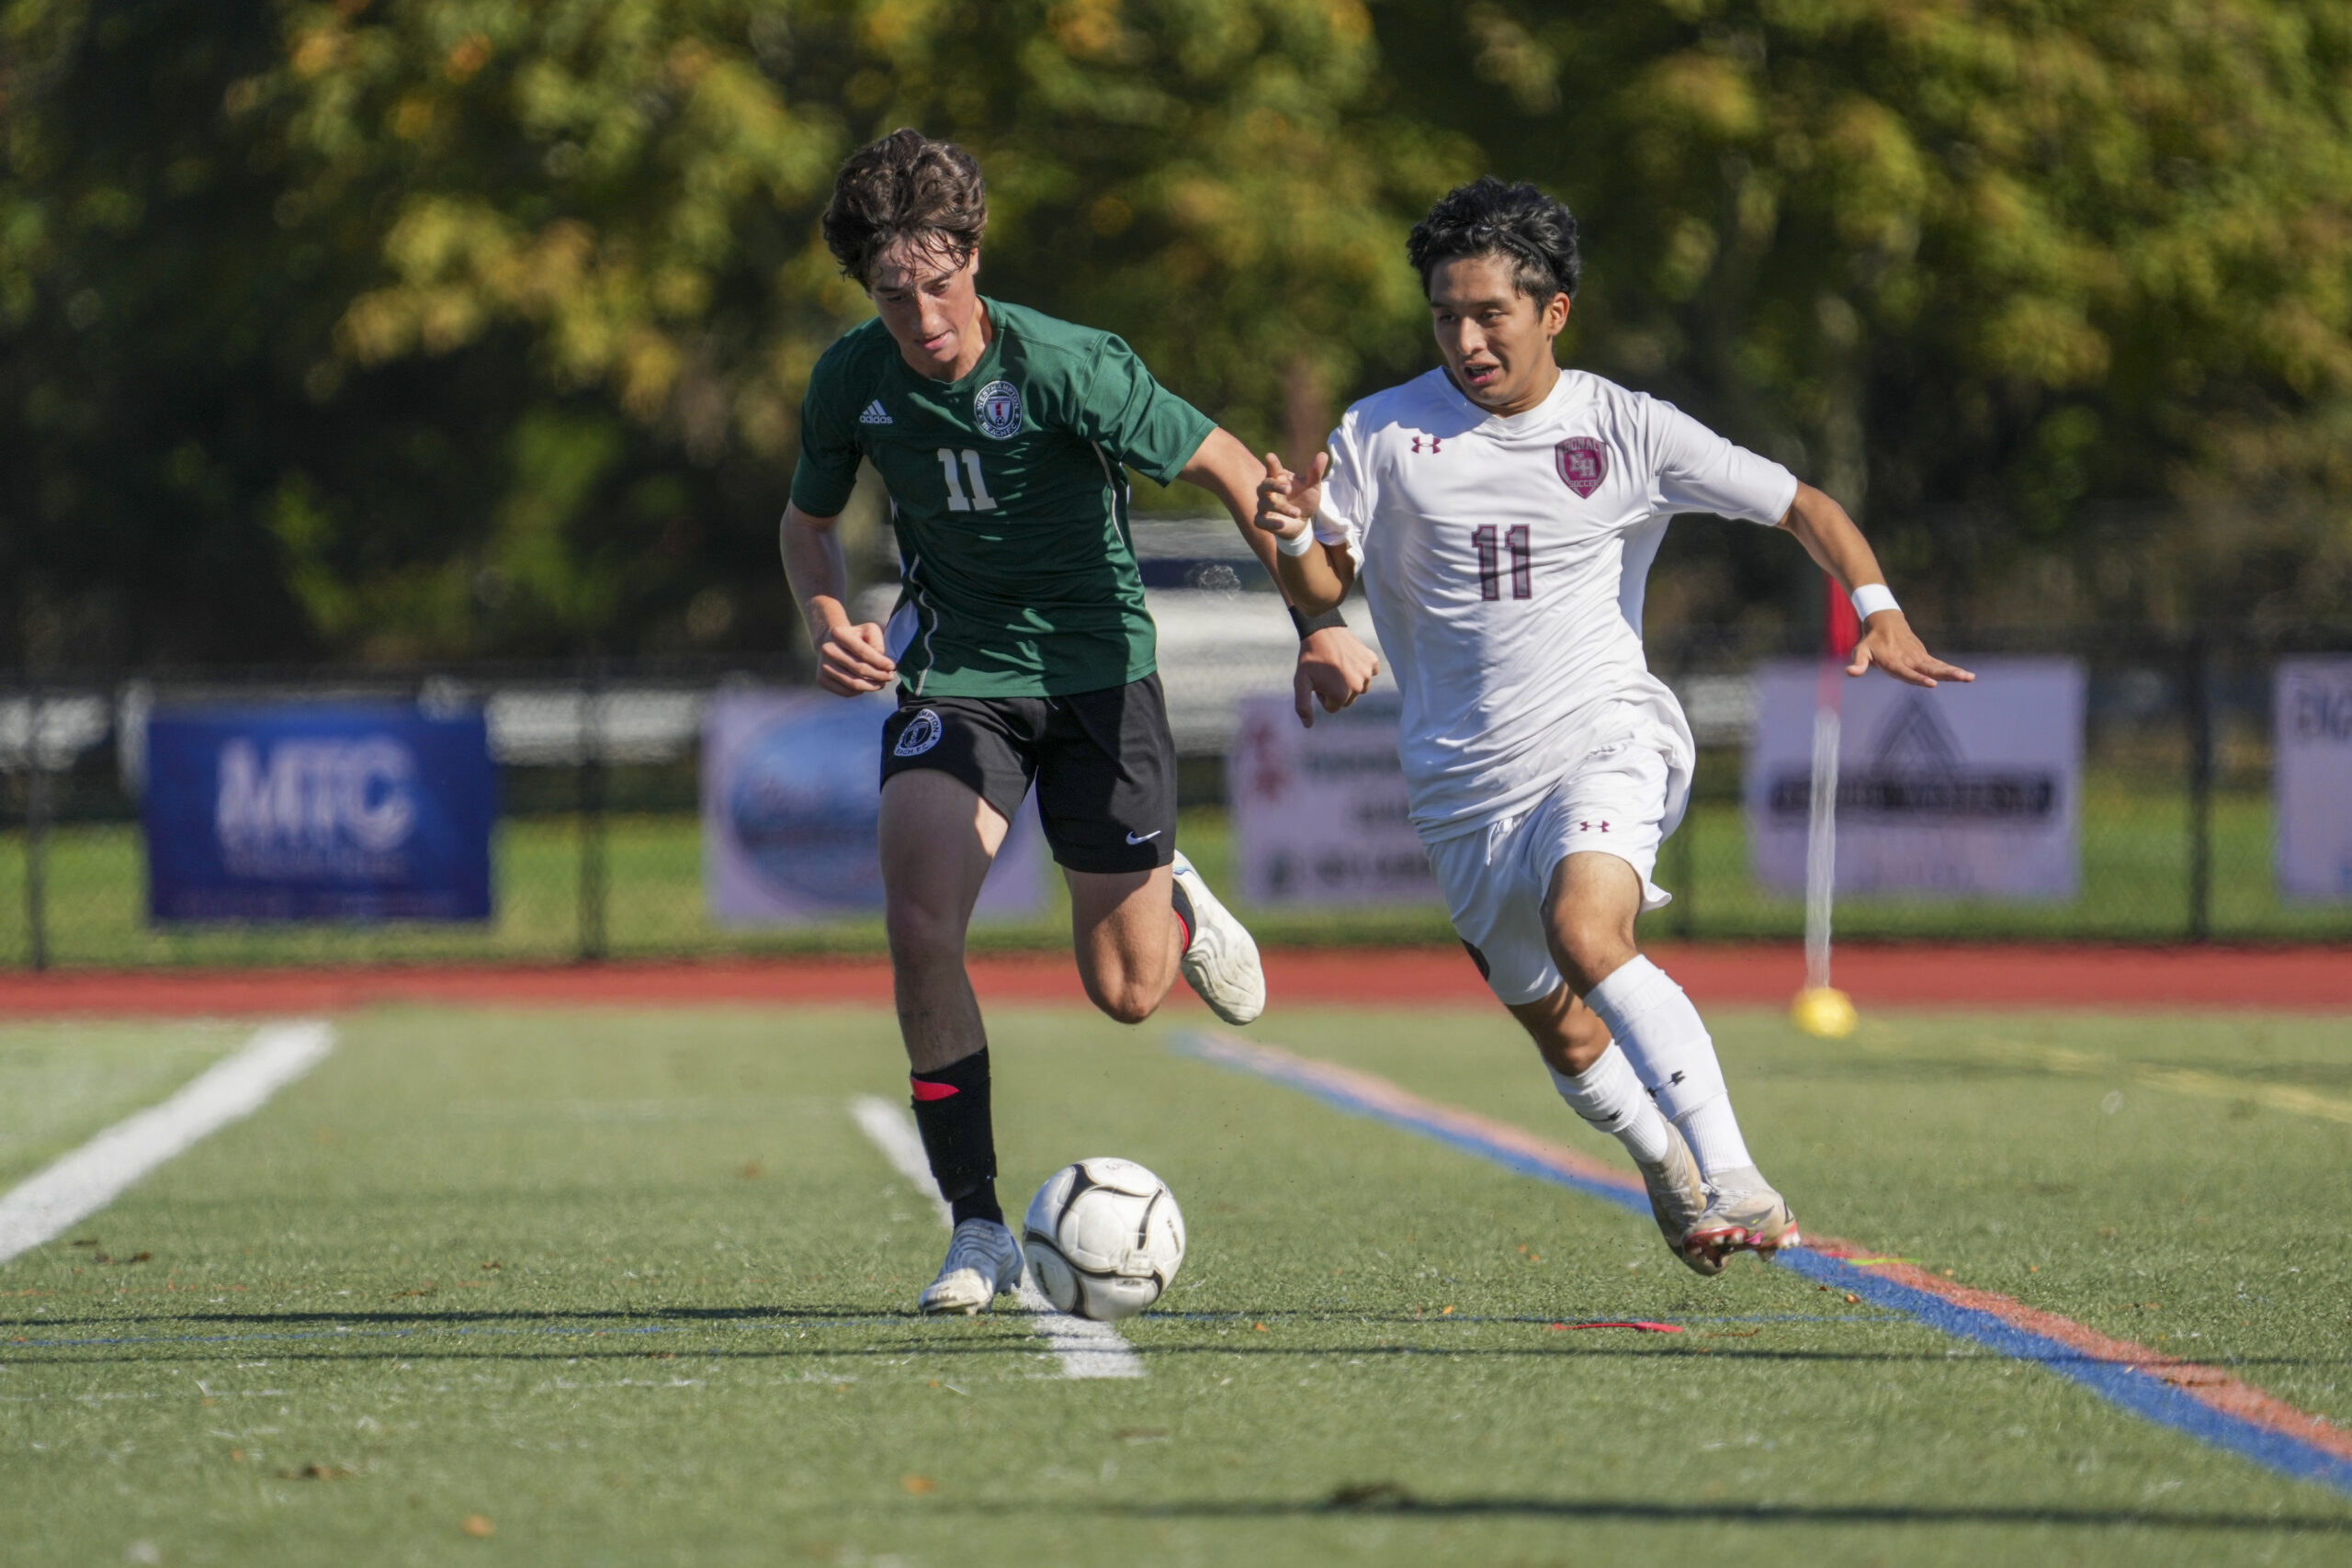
(1221,961)
(1679,1200)
(983,1263)
(1744,1213)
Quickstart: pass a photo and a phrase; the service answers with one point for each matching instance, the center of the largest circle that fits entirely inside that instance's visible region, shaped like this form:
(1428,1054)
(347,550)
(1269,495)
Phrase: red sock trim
(1183,925)
(927,1091)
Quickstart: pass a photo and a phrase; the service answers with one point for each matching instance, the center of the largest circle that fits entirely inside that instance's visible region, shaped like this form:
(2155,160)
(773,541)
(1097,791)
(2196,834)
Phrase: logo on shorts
(1583,463)
(921,735)
(996,409)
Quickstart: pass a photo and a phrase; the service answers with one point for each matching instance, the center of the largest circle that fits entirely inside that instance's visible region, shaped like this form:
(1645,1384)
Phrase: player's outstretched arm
(1334,666)
(850,659)
(1837,546)
(1317,578)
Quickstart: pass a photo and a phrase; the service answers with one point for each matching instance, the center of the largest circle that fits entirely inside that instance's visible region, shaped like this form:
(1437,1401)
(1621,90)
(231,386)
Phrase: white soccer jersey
(1504,561)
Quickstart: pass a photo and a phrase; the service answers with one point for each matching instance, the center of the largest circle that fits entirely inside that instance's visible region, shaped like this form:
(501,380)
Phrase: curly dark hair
(905,186)
(1489,218)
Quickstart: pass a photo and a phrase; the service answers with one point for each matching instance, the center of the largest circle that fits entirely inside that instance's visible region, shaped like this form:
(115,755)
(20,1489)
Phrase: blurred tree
(458,327)
(2018,279)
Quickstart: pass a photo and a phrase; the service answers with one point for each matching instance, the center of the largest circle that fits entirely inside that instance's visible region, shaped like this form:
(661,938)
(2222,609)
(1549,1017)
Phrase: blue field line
(2148,1397)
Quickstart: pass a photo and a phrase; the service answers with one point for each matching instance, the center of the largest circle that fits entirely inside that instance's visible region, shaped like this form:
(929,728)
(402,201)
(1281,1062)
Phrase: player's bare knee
(1131,1005)
(920,936)
(1591,948)
(1120,998)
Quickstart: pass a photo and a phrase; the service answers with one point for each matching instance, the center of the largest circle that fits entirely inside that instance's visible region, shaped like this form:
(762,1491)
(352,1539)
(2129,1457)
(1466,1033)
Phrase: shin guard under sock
(1609,1097)
(1671,1052)
(951,1110)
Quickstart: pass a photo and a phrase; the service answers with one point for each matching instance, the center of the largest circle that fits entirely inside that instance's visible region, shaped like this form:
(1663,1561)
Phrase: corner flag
(1820,1009)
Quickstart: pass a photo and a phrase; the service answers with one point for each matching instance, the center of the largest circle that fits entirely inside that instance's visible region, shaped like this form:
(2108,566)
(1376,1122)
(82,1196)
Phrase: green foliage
(453,327)
(1972,265)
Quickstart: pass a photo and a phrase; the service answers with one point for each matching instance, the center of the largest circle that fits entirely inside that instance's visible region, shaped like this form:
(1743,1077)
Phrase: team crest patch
(920,734)
(996,409)
(1583,463)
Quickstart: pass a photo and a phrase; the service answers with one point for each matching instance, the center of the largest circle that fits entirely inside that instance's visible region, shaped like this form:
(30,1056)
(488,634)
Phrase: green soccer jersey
(1008,490)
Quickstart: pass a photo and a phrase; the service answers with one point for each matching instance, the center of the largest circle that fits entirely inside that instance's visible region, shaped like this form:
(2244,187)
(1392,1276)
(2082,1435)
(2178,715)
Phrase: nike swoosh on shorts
(1147,838)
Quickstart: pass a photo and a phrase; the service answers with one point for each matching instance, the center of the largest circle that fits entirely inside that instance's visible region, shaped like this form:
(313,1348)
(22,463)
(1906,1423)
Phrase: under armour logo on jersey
(1586,828)
(876,414)
(1434,441)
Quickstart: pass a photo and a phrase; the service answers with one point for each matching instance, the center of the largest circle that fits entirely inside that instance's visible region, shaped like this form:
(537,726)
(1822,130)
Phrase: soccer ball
(1104,1238)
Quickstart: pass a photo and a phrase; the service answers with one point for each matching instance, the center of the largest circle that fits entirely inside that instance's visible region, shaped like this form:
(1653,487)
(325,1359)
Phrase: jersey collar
(1557,398)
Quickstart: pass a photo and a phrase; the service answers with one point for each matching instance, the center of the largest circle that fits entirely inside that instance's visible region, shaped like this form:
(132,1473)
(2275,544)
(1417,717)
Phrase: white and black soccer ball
(1104,1238)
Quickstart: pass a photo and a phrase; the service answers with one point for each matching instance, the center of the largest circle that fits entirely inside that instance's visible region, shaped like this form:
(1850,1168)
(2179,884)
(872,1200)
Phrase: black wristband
(1310,624)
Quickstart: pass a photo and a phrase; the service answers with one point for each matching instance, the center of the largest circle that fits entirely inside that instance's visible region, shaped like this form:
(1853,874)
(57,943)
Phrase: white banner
(2313,778)
(1318,814)
(791,793)
(1971,791)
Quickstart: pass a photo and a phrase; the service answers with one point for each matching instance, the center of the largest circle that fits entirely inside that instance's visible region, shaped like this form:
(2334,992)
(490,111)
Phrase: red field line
(2210,1386)
(2107,978)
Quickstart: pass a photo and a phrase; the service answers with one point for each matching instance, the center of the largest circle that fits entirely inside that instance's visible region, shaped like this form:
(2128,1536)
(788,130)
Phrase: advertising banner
(303,813)
(2313,716)
(1966,791)
(791,797)
(1320,815)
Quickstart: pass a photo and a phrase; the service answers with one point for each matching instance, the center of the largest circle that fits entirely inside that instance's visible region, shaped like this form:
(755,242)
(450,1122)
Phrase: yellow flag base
(1824,1012)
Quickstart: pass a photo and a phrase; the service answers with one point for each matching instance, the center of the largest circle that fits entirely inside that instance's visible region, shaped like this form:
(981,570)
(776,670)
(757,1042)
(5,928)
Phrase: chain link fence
(598,851)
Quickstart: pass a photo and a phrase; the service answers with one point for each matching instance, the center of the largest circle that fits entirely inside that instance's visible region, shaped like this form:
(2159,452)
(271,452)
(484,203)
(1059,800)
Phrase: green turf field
(634,1289)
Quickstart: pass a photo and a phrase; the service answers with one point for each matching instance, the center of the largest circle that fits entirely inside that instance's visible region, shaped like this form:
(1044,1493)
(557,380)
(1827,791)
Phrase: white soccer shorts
(1616,802)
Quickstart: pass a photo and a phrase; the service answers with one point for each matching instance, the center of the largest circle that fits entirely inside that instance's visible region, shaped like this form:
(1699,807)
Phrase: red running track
(2107,978)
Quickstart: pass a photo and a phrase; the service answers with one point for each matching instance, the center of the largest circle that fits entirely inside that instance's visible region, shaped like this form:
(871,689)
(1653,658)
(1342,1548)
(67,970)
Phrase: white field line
(79,1184)
(1088,1350)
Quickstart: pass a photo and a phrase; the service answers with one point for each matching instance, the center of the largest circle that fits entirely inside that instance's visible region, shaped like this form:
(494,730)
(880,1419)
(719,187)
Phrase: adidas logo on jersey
(876,414)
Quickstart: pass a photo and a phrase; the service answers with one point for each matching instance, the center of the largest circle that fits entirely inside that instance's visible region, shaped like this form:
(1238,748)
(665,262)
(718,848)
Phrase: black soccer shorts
(1103,763)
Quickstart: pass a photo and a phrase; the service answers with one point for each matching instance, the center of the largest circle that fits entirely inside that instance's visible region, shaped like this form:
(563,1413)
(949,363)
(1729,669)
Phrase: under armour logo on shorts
(921,735)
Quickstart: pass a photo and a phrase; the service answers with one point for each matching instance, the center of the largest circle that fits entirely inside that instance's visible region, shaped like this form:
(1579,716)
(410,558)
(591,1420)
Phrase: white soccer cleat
(1678,1201)
(983,1263)
(1221,963)
(1744,1213)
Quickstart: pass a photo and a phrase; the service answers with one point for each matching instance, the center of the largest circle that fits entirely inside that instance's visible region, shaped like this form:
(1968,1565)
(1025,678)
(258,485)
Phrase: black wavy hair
(905,186)
(1489,218)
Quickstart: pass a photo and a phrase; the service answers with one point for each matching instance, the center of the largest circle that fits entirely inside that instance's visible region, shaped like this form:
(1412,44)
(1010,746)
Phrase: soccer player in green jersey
(1019,646)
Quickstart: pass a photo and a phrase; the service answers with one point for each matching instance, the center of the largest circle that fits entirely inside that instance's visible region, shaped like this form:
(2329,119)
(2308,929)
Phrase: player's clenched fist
(1286,501)
(850,659)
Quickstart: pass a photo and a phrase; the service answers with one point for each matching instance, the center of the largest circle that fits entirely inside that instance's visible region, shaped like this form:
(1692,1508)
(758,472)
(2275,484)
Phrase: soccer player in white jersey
(1503,514)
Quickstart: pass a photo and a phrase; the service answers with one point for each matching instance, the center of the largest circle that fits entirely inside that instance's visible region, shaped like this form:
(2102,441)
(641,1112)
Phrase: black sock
(952,1112)
(1184,903)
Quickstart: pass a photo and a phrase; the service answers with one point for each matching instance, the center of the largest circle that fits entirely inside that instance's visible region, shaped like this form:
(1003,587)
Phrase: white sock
(1610,1097)
(1713,1132)
(1670,1052)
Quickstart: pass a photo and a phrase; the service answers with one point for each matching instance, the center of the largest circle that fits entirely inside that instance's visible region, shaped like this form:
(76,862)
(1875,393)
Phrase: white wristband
(1871,598)
(1297,544)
